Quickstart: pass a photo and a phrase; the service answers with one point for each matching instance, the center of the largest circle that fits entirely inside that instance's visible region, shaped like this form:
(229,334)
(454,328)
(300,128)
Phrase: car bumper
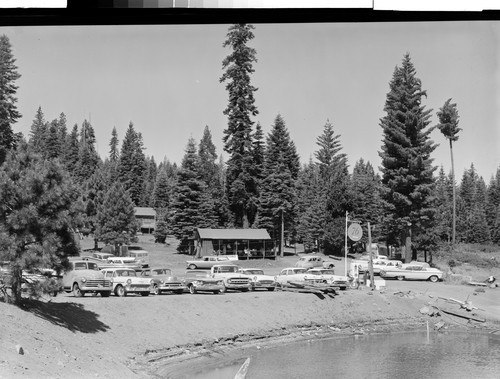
(208,287)
(172,287)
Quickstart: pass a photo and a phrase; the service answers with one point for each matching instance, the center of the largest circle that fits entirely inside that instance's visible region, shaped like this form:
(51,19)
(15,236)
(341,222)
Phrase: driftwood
(459,314)
(478,284)
(305,287)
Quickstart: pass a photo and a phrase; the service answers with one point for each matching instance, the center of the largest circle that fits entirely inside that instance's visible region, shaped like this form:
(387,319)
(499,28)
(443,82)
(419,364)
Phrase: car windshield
(299,271)
(328,272)
(162,271)
(228,269)
(125,273)
(198,274)
(253,272)
(134,248)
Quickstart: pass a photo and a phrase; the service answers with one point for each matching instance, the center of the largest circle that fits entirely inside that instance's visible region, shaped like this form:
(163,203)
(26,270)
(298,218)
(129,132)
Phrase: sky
(165,79)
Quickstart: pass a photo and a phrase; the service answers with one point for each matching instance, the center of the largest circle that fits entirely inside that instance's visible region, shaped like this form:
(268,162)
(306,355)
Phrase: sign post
(354,232)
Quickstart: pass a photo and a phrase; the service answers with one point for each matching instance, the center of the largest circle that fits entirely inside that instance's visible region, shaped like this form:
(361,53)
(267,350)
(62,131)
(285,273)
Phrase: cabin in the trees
(147,218)
(245,243)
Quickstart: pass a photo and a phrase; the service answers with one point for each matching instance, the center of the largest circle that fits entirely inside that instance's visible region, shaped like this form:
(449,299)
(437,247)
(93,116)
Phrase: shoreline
(185,360)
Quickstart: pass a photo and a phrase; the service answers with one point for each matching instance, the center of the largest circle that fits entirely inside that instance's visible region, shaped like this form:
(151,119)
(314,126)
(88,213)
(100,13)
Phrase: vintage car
(412,272)
(126,280)
(163,280)
(231,278)
(141,256)
(207,261)
(259,279)
(310,261)
(202,281)
(329,275)
(108,260)
(378,265)
(83,277)
(296,274)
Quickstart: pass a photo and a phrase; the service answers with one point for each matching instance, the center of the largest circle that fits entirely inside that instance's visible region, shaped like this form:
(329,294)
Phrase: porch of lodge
(245,243)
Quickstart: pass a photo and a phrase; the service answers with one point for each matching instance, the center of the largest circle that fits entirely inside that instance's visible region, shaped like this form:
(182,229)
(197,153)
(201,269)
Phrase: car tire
(145,293)
(192,290)
(271,288)
(224,289)
(105,293)
(77,292)
(120,291)
(156,290)
(192,267)
(434,279)
(400,277)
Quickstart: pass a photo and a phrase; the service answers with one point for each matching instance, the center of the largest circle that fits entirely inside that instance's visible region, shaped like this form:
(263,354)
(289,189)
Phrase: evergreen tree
(114,153)
(241,184)
(258,147)
(186,205)
(132,165)
(8,108)
(334,189)
(37,215)
(310,212)
(53,147)
(448,125)
(277,193)
(444,206)
(116,222)
(407,171)
(207,157)
(88,159)
(71,152)
(93,199)
(493,206)
(38,132)
(366,201)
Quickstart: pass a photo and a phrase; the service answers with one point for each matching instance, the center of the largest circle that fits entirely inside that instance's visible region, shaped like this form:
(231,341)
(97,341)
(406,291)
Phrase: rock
(20,350)
(424,310)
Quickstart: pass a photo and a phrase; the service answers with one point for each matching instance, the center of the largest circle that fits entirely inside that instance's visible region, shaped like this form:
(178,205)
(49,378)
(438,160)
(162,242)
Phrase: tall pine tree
(8,108)
(407,170)
(240,182)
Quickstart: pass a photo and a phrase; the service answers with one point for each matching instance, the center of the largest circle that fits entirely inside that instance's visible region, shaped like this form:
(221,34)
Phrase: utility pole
(370,261)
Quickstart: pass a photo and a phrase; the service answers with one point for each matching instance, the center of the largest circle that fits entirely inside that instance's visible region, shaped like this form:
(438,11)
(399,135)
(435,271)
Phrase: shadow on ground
(72,316)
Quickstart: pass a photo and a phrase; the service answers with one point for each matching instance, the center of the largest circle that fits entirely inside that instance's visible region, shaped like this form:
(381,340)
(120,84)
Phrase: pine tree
(407,171)
(38,132)
(448,125)
(8,109)
(93,199)
(132,165)
(88,159)
(277,191)
(241,184)
(37,215)
(444,207)
(365,196)
(114,153)
(334,189)
(53,147)
(71,152)
(493,206)
(186,205)
(116,222)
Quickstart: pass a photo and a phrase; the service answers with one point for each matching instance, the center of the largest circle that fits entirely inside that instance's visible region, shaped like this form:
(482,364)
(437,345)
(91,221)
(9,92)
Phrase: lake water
(408,355)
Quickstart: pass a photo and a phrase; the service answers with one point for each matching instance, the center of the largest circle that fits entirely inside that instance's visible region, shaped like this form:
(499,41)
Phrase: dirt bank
(133,337)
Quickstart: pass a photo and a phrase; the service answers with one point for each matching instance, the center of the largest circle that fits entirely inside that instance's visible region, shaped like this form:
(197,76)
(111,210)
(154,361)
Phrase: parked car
(207,261)
(141,256)
(296,274)
(231,278)
(329,275)
(310,261)
(163,280)
(126,280)
(202,281)
(258,279)
(108,260)
(378,265)
(413,272)
(83,277)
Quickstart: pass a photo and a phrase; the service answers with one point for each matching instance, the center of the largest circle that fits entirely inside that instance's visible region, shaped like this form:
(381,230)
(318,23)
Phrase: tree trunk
(16,281)
(454,222)
(408,252)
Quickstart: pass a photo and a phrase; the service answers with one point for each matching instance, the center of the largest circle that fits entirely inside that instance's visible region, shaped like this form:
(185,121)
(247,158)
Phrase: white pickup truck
(231,278)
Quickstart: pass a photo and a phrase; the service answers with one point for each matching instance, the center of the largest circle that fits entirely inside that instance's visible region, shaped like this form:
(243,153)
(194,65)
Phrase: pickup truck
(84,277)
(231,278)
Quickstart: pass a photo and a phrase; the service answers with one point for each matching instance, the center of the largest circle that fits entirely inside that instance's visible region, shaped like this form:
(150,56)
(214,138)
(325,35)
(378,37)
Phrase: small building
(147,218)
(245,243)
